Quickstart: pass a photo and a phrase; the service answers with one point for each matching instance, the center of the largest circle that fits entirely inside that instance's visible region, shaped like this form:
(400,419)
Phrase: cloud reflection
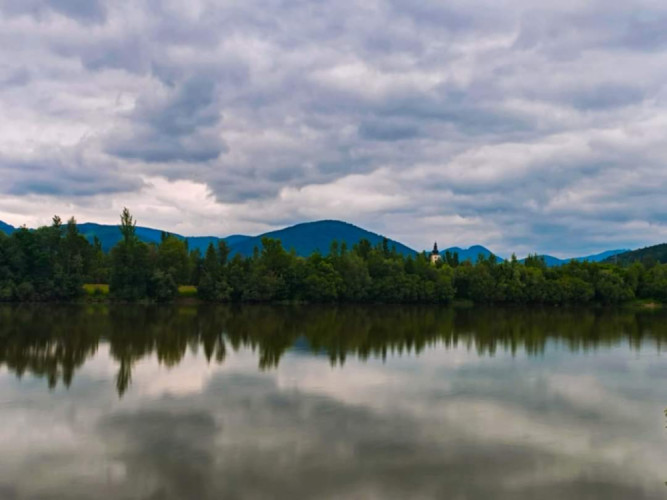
(441,421)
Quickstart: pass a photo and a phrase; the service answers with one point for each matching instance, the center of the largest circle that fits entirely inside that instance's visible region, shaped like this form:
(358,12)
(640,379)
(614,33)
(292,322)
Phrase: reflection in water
(499,403)
(53,341)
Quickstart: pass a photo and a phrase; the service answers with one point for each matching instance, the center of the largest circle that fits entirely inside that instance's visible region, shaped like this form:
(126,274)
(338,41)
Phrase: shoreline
(193,300)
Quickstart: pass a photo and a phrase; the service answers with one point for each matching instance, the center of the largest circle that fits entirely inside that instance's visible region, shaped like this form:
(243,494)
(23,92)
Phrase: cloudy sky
(490,122)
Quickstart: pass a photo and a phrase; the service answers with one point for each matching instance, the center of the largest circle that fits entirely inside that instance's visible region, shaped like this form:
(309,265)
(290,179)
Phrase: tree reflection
(54,341)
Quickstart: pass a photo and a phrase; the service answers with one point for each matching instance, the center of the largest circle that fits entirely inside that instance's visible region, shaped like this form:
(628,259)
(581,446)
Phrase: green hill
(472,253)
(308,237)
(109,235)
(598,257)
(303,238)
(655,253)
(6,228)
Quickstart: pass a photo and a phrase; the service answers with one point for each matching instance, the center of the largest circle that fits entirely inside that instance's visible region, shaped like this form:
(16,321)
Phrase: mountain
(599,257)
(308,237)
(472,253)
(110,235)
(303,238)
(656,253)
(234,239)
(552,261)
(6,228)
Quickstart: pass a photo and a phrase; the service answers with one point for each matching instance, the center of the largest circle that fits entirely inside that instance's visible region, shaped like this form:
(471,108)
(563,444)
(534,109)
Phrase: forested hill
(6,228)
(472,253)
(655,253)
(110,235)
(551,261)
(309,237)
(600,257)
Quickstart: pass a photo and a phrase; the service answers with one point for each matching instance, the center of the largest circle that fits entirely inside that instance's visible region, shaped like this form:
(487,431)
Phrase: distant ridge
(304,238)
(308,237)
(6,228)
(552,261)
(599,257)
(109,235)
(235,239)
(472,253)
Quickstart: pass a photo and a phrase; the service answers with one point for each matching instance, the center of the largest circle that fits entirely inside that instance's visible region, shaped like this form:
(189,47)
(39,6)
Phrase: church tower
(435,254)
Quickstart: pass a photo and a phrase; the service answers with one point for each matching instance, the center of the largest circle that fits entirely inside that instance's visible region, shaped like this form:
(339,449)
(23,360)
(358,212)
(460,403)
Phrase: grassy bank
(101,291)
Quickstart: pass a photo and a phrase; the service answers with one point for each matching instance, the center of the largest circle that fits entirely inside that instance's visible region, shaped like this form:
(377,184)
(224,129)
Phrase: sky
(523,126)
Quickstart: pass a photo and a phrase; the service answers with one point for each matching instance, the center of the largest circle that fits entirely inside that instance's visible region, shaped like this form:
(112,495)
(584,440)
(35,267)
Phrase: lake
(187,402)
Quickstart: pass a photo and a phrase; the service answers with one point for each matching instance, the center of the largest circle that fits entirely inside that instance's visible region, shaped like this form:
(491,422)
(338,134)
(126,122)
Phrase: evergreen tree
(130,263)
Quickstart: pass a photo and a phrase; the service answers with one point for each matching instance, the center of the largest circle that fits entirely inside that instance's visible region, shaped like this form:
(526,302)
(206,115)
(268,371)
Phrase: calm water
(382,402)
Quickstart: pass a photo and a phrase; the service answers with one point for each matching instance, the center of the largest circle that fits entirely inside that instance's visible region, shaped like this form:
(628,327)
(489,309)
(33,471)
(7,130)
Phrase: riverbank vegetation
(54,263)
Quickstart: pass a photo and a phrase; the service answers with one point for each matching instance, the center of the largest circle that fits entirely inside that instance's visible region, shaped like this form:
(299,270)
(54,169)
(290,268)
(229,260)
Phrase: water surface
(173,402)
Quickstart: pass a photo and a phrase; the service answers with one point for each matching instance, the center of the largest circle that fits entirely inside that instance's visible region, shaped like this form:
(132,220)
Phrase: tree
(213,284)
(172,258)
(322,281)
(127,225)
(73,255)
(161,286)
(130,264)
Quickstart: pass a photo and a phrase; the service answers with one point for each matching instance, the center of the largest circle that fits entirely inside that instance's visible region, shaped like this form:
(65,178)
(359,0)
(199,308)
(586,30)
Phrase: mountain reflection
(54,341)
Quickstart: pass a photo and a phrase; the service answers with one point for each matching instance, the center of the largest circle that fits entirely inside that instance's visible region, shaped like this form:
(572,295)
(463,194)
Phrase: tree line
(53,263)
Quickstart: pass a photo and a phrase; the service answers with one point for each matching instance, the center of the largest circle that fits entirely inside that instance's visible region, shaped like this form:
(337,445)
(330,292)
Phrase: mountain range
(308,237)
(304,238)
(598,257)
(109,236)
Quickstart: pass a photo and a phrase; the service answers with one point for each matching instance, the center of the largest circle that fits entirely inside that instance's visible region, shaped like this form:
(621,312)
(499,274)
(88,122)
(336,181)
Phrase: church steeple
(435,254)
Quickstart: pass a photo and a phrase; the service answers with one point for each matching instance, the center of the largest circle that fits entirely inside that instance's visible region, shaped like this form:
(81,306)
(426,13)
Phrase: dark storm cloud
(504,114)
(382,131)
(646,31)
(149,146)
(180,127)
(84,11)
(129,54)
(608,97)
(63,173)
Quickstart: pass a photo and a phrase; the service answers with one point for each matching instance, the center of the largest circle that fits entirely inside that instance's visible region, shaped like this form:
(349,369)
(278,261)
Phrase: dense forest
(53,263)
(649,255)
